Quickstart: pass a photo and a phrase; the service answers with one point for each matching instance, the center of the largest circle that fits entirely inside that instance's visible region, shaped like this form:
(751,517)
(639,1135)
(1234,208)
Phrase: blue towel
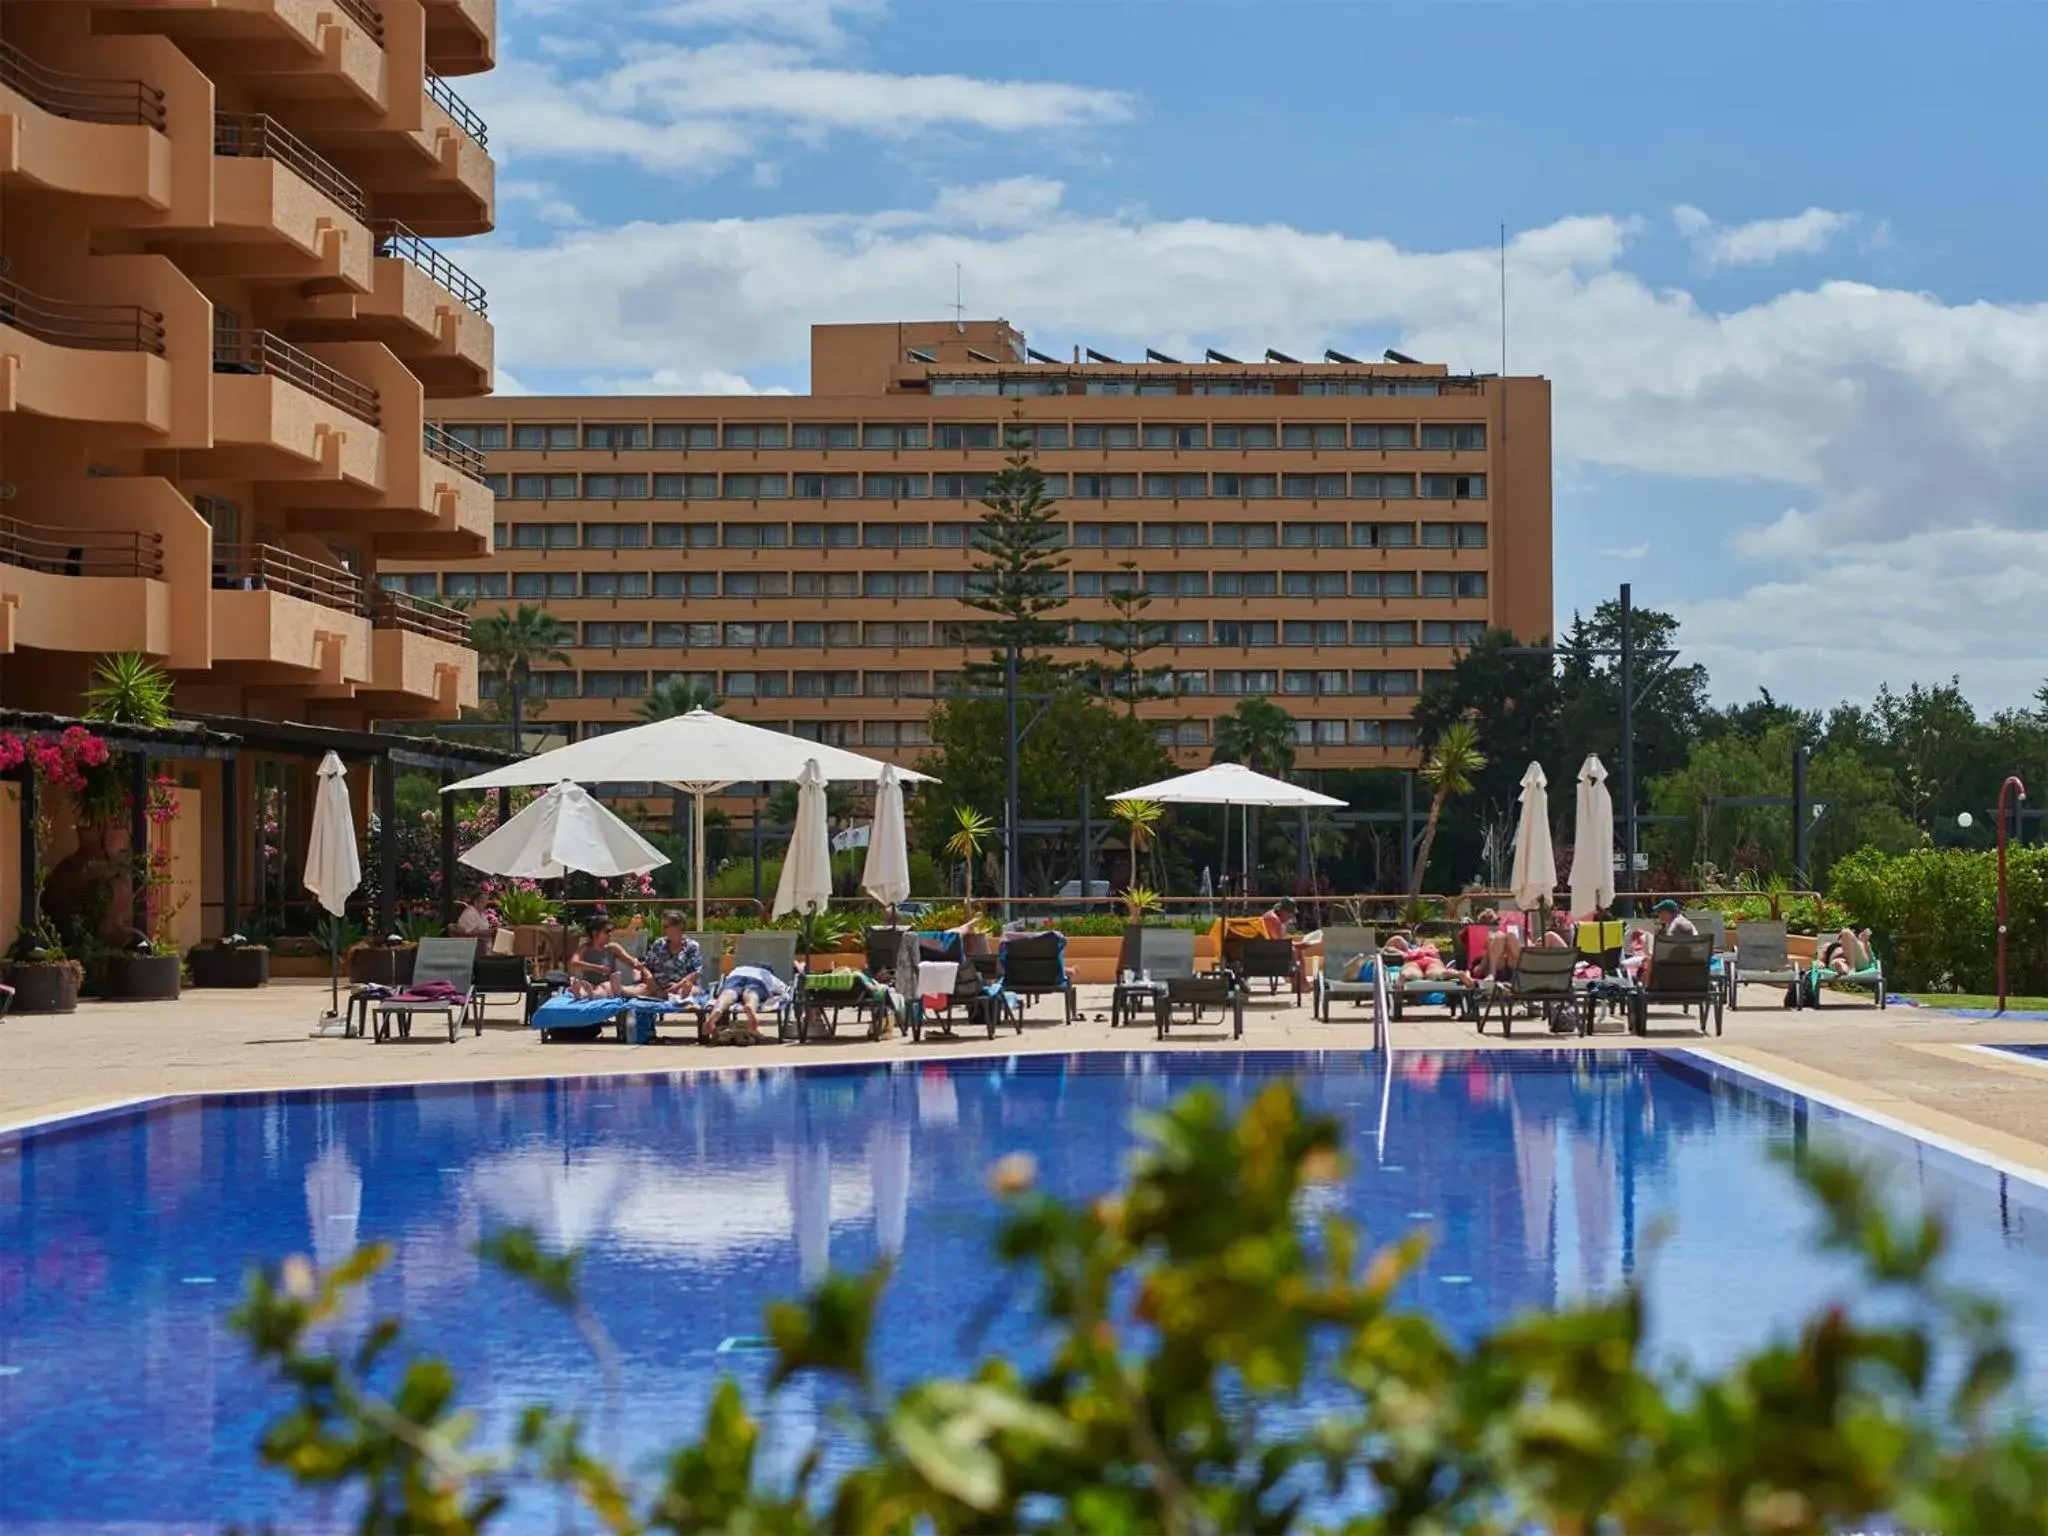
(565,1012)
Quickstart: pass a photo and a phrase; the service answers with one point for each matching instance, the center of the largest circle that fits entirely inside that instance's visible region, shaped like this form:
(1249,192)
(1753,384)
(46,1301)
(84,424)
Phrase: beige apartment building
(223,329)
(1321,533)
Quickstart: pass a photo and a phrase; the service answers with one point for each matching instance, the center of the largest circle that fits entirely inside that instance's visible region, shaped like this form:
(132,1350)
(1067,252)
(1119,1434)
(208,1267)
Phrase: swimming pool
(700,1196)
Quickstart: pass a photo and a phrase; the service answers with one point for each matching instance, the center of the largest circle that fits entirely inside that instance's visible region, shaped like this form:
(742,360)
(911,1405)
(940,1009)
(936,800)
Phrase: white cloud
(1886,417)
(1630,552)
(1760,243)
(547,204)
(817,22)
(676,381)
(502,383)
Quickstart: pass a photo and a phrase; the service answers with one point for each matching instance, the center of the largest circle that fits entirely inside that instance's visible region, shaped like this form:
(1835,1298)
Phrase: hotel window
(1246,584)
(757,584)
(501,535)
(609,636)
(500,485)
(952,583)
(895,435)
(897,634)
(820,685)
(686,583)
(1381,632)
(614,685)
(1322,487)
(1469,584)
(1312,535)
(1104,487)
(1094,435)
(1050,435)
(1312,684)
(614,535)
(475,584)
(1383,436)
(1383,487)
(825,487)
(552,685)
(879,733)
(822,435)
(825,535)
(1454,437)
(1185,487)
(1312,435)
(1394,535)
(1242,437)
(1055,485)
(968,436)
(484,436)
(895,584)
(544,435)
(1258,487)
(962,488)
(1189,683)
(1454,487)
(1158,583)
(615,435)
(757,535)
(826,584)
(1255,632)
(697,636)
(544,487)
(1437,584)
(671,637)
(615,584)
(756,436)
(756,487)
(685,487)
(837,632)
(1437,536)
(681,434)
(1313,632)
(894,535)
(543,584)
(1159,435)
(757,634)
(895,487)
(1190,583)
(1397,584)
(1471,535)
(893,685)
(1321,733)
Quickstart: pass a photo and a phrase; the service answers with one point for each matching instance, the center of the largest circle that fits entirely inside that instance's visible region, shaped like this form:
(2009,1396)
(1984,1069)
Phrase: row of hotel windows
(921,487)
(1054,436)
(543,585)
(1183,733)
(1089,535)
(1244,634)
(1332,683)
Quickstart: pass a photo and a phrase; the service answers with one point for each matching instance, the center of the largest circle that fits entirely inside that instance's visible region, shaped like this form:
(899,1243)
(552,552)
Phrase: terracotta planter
(44,987)
(214,965)
(143,978)
(1092,958)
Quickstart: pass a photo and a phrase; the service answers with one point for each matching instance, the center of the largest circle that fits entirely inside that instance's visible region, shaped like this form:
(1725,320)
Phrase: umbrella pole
(697,851)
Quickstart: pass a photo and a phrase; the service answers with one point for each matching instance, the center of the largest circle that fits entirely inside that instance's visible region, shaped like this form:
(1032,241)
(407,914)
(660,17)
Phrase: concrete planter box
(143,978)
(214,965)
(45,987)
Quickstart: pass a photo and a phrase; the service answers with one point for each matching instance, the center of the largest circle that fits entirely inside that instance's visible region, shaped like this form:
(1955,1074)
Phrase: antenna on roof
(1213,356)
(1038,357)
(959,308)
(1332,355)
(1102,357)
(1400,357)
(1158,357)
(1280,357)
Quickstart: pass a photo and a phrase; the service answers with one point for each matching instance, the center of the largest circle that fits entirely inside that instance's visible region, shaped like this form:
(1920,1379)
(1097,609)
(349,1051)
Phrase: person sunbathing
(1847,952)
(748,988)
(1416,962)
(603,968)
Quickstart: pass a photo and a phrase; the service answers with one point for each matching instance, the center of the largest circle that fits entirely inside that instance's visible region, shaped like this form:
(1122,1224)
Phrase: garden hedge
(1934,915)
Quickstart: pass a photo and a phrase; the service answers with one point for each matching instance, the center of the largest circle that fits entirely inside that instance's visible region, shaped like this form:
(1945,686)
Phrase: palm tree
(1141,820)
(511,642)
(1259,734)
(1450,768)
(971,832)
(678,696)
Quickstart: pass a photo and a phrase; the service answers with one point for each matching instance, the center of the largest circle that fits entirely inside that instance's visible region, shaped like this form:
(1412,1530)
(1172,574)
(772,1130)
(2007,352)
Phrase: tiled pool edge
(2010,1155)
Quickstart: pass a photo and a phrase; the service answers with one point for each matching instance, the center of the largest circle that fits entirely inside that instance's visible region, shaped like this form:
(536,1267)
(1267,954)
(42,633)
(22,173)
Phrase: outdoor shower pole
(2011,786)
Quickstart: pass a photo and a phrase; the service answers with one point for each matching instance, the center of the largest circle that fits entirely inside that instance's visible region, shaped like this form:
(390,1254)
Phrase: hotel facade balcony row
(223,317)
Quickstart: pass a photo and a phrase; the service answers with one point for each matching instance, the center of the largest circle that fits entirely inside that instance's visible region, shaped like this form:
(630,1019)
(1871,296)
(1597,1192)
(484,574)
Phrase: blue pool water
(2034,1052)
(700,1196)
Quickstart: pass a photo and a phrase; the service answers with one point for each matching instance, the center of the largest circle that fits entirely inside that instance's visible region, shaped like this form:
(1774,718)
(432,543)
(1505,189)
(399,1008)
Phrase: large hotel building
(1324,533)
(223,330)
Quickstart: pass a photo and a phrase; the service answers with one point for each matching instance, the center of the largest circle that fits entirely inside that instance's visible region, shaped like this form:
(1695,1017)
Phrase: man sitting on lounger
(750,988)
(675,961)
(603,968)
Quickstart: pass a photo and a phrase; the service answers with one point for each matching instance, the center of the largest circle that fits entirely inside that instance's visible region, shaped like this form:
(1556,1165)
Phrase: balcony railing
(247,135)
(453,452)
(371,18)
(267,568)
(249,351)
(81,97)
(418,616)
(395,240)
(465,115)
(80,551)
(89,327)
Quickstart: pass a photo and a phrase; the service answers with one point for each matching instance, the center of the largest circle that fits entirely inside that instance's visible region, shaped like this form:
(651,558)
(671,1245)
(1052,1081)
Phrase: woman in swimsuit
(602,968)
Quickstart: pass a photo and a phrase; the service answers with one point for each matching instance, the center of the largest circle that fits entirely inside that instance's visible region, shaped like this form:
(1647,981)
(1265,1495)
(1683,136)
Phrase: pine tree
(1018,582)
(1128,636)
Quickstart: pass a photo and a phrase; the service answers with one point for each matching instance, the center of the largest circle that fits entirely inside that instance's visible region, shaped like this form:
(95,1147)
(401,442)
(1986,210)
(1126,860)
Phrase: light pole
(2012,786)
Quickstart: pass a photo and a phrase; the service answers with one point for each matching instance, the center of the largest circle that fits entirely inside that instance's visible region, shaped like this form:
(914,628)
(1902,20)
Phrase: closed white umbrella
(1228,784)
(565,829)
(887,875)
(806,884)
(334,867)
(1593,842)
(1535,872)
(698,753)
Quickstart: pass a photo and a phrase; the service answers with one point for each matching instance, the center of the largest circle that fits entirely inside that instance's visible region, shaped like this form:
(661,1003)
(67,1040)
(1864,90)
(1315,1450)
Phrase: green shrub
(1934,915)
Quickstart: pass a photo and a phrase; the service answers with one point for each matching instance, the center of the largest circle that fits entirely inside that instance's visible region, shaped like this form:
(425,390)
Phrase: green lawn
(1978,1000)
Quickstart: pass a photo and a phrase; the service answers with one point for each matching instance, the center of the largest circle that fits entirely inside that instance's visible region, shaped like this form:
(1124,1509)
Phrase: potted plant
(232,960)
(150,969)
(150,972)
(45,979)
(533,919)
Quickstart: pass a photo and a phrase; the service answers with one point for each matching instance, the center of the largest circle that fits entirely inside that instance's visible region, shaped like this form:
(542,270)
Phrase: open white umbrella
(564,830)
(334,867)
(698,753)
(1535,872)
(1593,842)
(1228,784)
(806,884)
(887,875)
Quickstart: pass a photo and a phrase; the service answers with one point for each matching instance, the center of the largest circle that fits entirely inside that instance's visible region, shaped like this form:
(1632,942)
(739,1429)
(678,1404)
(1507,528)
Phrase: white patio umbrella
(887,874)
(698,753)
(1535,872)
(564,830)
(806,884)
(1593,842)
(1228,784)
(334,867)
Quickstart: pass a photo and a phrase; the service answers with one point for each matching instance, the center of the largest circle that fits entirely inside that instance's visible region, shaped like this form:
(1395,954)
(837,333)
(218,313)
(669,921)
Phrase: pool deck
(1916,1066)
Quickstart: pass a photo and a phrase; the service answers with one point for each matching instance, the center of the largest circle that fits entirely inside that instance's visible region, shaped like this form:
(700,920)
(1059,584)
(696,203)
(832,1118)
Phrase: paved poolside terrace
(1916,1066)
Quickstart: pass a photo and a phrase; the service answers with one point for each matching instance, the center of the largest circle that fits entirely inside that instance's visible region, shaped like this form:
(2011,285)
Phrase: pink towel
(428,992)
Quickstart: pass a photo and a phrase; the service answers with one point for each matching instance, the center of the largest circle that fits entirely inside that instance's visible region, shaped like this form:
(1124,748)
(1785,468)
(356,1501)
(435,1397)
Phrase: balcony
(418,616)
(421,662)
(259,352)
(82,362)
(333,51)
(462,35)
(453,452)
(82,589)
(437,179)
(443,95)
(81,98)
(279,617)
(281,209)
(282,414)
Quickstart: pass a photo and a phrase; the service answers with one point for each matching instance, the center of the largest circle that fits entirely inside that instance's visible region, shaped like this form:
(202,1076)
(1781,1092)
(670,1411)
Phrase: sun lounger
(1259,957)
(1762,956)
(1681,972)
(822,996)
(1542,983)
(1346,950)
(1176,984)
(1870,977)
(1034,965)
(443,982)
(974,999)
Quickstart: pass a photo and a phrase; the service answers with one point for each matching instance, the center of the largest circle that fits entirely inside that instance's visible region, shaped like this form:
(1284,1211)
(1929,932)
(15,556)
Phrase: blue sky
(1782,261)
